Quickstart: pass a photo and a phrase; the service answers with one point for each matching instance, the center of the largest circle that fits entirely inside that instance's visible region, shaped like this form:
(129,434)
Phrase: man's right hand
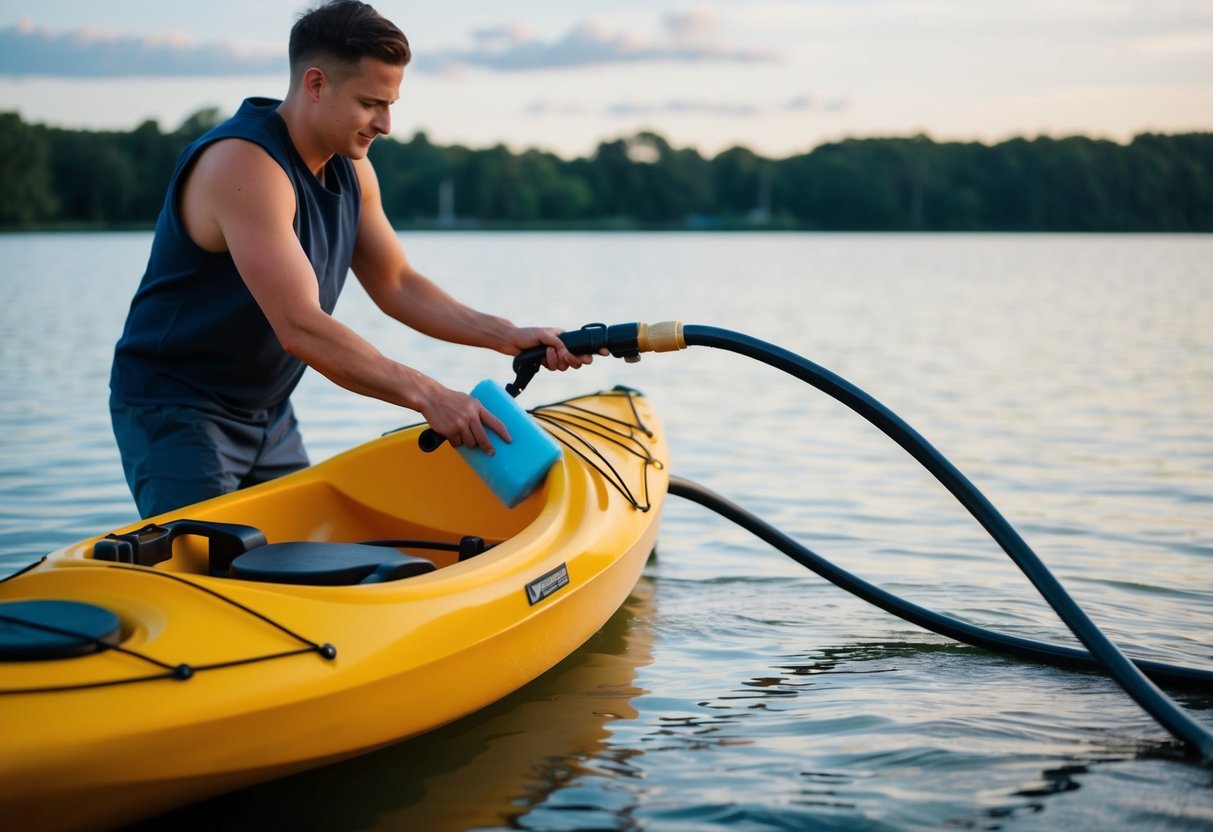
(461,419)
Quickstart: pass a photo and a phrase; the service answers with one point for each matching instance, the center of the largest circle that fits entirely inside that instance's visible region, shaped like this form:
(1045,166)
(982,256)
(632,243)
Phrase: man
(263,218)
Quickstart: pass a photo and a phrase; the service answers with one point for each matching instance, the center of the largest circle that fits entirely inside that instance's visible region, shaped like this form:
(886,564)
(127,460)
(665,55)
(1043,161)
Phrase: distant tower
(446,202)
(760,214)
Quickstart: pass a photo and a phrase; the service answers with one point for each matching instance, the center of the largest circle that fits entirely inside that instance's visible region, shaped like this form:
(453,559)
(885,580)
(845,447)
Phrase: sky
(777,76)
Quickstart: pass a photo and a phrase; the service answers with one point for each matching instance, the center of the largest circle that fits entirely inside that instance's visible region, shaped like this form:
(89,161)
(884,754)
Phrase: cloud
(26,49)
(803,103)
(504,37)
(544,107)
(813,103)
(694,25)
(687,37)
(683,107)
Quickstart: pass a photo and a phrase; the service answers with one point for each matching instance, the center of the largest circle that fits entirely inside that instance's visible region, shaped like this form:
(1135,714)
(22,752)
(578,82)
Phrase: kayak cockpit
(358,508)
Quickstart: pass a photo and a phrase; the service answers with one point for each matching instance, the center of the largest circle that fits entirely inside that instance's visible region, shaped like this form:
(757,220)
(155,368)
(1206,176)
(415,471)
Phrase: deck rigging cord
(569,422)
(629,340)
(181,671)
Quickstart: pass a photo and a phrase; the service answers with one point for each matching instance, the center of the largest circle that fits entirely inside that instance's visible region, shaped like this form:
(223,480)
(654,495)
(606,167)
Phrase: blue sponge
(517,468)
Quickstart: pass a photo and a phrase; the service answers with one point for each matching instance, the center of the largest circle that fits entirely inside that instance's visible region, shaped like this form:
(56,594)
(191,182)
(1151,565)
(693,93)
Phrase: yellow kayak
(367,599)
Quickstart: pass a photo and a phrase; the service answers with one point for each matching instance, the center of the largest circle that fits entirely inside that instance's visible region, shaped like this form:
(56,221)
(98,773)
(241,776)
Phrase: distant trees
(81,177)
(26,194)
(52,176)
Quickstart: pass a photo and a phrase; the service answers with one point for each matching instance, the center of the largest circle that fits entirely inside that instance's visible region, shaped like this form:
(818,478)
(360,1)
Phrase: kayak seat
(326,564)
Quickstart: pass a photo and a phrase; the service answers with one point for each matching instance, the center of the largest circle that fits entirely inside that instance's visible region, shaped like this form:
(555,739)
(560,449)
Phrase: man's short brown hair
(345,31)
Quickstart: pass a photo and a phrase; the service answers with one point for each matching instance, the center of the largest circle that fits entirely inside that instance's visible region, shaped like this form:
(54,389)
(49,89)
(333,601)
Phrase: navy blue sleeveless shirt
(194,335)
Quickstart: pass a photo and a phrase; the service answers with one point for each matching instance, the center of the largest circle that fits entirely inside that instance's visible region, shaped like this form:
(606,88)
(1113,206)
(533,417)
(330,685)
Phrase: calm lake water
(1070,377)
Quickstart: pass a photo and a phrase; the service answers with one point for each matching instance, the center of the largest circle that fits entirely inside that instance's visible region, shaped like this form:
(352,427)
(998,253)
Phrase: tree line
(54,177)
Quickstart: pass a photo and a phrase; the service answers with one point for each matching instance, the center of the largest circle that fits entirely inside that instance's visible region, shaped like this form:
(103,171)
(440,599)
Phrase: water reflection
(490,769)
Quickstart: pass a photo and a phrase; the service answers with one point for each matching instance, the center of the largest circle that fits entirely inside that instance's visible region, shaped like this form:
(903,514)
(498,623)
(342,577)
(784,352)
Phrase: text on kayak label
(547,583)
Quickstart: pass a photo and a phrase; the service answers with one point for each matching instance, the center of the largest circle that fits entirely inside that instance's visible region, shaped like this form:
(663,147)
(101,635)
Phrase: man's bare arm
(237,190)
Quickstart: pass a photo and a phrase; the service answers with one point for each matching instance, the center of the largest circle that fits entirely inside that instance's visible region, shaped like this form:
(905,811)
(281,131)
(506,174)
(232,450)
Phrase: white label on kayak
(546,584)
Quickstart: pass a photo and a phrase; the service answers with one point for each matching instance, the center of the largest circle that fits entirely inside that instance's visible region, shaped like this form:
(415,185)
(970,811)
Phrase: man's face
(356,105)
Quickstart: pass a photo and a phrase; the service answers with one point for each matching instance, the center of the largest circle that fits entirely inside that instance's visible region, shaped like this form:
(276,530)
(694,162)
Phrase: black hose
(1123,671)
(944,625)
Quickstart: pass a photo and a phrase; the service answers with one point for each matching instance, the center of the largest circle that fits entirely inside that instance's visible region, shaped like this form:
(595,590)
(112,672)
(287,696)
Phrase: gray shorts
(174,456)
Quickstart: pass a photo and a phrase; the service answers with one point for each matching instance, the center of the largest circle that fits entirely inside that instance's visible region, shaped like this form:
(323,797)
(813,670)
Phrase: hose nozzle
(626,341)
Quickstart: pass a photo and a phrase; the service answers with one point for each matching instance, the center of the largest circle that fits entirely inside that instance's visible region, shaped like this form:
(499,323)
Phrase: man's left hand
(558,356)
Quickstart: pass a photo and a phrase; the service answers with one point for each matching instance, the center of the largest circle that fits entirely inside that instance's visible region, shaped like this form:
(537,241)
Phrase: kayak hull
(284,677)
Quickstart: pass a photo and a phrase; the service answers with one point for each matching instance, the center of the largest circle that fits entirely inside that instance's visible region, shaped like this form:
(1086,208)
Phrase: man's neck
(314,156)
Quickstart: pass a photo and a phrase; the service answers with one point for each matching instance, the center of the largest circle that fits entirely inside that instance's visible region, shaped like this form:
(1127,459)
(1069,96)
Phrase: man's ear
(314,81)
